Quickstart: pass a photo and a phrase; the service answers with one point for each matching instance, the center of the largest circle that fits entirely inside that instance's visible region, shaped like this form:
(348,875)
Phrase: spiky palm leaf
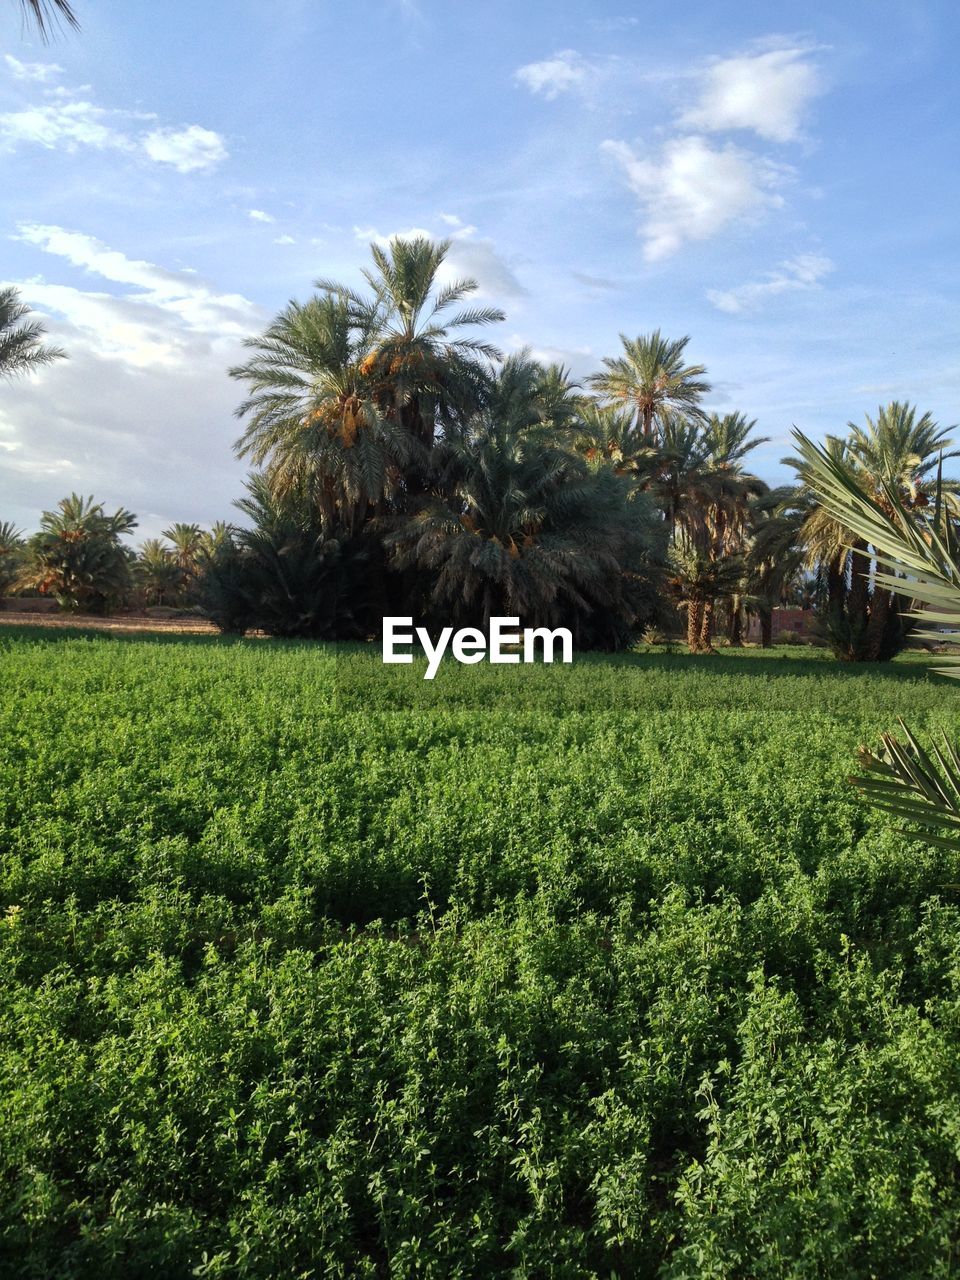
(919,559)
(21,342)
(47,15)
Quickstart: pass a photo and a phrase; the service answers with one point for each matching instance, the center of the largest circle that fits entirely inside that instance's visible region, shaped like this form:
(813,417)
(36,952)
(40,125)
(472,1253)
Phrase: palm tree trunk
(877,625)
(766,626)
(694,624)
(836,587)
(706,628)
(858,600)
(735,632)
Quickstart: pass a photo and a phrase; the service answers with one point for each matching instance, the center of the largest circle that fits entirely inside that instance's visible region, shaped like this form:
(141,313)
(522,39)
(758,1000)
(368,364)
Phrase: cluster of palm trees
(78,557)
(467,484)
(401,464)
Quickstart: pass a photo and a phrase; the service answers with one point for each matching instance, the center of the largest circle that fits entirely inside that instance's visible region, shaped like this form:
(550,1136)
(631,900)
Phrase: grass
(314,968)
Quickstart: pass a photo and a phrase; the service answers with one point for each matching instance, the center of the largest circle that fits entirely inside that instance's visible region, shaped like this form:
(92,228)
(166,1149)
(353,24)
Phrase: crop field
(313,968)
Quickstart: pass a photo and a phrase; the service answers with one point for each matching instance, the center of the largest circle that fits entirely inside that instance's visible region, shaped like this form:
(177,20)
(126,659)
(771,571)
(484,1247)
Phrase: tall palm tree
(187,539)
(314,423)
(47,15)
(651,378)
(825,541)
(21,344)
(727,440)
(420,363)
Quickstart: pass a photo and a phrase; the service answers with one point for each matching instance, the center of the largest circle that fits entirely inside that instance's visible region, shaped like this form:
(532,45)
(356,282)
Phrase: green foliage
(282,574)
(528,527)
(11,556)
(917,558)
(22,348)
(77,555)
(308,966)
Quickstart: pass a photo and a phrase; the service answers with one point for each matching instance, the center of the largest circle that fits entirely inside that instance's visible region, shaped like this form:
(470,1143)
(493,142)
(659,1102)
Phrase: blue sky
(780,182)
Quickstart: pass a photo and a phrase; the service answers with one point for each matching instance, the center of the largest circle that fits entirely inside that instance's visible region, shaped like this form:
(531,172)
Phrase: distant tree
(21,344)
(775,555)
(651,379)
(158,571)
(77,555)
(11,555)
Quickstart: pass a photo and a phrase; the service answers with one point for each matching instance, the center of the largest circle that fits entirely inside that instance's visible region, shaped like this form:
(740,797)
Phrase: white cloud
(43,72)
(66,123)
(564,71)
(258,215)
(694,189)
(766,92)
(142,411)
(181,293)
(801,273)
(69,125)
(186,149)
(284,240)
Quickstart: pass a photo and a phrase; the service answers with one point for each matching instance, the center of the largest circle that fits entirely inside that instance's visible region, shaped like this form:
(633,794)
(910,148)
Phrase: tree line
(401,464)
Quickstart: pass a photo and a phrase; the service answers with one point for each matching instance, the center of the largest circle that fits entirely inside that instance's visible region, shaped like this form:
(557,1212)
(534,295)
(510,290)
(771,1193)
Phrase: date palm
(895,452)
(651,378)
(77,555)
(187,541)
(423,367)
(313,421)
(11,553)
(918,557)
(158,570)
(21,341)
(775,554)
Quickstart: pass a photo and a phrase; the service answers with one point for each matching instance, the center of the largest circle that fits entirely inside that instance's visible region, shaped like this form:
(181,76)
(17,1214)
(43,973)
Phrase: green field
(311,968)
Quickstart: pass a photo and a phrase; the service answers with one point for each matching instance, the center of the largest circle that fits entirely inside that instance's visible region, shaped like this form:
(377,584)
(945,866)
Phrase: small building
(799,621)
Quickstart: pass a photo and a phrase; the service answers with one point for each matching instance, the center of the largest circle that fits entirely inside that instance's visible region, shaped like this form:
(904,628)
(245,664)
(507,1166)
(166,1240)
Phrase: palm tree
(46,15)
(314,422)
(727,440)
(187,540)
(77,555)
(21,345)
(919,559)
(697,579)
(158,570)
(895,452)
(11,553)
(421,374)
(651,378)
(775,556)
(294,578)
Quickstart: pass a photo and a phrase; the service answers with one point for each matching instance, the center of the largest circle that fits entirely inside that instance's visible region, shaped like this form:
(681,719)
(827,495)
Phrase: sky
(779,182)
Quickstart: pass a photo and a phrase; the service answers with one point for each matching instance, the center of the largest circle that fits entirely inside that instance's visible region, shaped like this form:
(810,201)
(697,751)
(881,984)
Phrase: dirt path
(184,626)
